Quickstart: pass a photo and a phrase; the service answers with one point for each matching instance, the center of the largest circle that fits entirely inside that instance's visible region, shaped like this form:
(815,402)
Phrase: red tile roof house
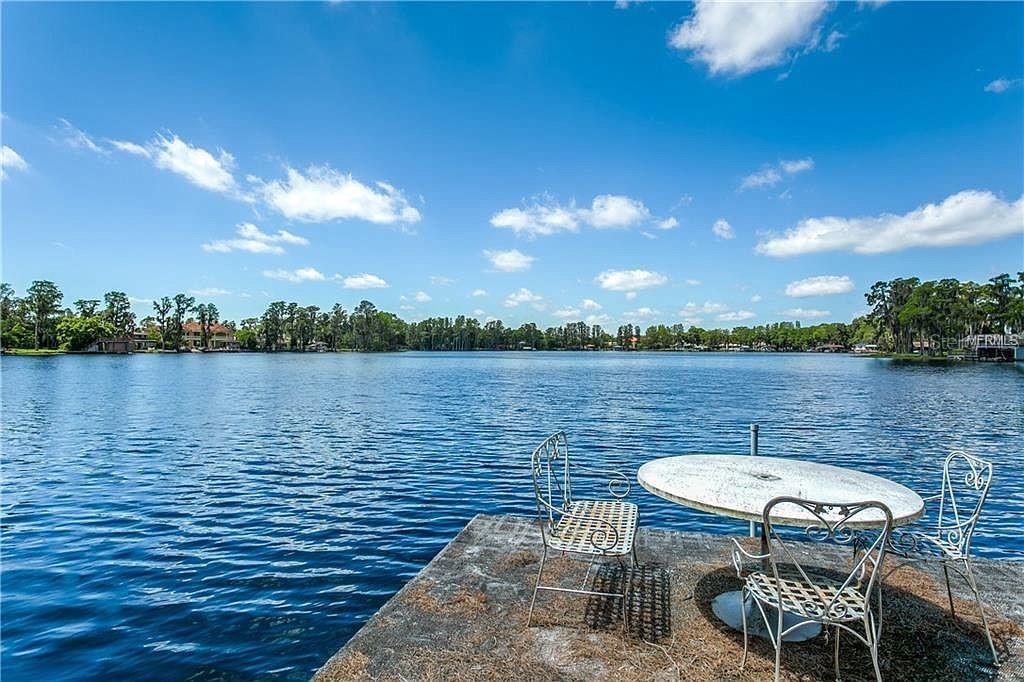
(220,337)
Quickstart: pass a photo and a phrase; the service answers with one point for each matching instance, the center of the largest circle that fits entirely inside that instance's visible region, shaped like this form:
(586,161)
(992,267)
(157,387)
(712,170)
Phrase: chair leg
(778,645)
(872,637)
(636,561)
(835,653)
(743,609)
(949,592)
(981,609)
(536,586)
(627,586)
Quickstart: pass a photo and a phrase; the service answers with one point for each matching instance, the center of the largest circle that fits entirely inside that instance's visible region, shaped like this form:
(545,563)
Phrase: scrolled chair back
(831,523)
(965,484)
(552,485)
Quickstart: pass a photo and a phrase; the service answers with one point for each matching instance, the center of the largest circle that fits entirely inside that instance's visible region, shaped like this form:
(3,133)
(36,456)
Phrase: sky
(647,163)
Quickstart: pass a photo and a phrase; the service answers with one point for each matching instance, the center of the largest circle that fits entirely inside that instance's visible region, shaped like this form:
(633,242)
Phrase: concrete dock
(464,618)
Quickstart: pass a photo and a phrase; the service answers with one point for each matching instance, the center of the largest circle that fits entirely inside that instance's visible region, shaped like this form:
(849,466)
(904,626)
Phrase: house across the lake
(123,344)
(221,337)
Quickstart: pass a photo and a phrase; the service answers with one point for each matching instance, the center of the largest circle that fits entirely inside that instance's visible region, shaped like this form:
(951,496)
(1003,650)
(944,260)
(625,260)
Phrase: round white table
(739,486)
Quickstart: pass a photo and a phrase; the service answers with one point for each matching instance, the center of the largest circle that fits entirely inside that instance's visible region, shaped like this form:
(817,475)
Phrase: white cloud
(11,160)
(647,235)
(323,194)
(567,312)
(77,139)
(524,295)
(130,148)
(769,176)
(544,216)
(616,210)
(421,297)
(512,260)
(477,312)
(691,309)
(824,285)
(598,319)
(630,295)
(209,291)
(630,280)
(766,177)
(590,304)
(797,165)
(693,282)
(254,240)
(722,229)
(968,217)
(805,313)
(363,281)
(195,164)
(735,316)
(756,298)
(736,38)
(832,41)
(296,276)
(476,293)
(640,314)
(441,281)
(1001,85)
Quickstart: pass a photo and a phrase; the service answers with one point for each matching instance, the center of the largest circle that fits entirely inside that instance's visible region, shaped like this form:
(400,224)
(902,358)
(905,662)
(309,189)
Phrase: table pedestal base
(731,610)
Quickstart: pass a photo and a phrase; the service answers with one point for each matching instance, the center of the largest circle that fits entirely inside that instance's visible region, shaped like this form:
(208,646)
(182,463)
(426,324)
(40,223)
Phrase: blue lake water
(239,516)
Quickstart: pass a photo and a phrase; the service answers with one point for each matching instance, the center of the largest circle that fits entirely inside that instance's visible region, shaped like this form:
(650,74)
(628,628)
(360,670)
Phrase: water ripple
(239,516)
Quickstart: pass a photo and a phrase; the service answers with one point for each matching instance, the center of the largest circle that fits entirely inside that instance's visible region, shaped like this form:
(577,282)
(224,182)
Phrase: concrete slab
(464,617)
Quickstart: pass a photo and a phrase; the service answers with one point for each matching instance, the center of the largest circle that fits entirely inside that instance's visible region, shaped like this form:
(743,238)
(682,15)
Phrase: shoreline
(895,357)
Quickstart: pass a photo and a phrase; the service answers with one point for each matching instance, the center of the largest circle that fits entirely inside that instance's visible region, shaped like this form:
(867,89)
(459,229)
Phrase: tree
(87,307)
(14,332)
(78,333)
(207,315)
(162,308)
(119,313)
(363,323)
(43,301)
(182,305)
(272,323)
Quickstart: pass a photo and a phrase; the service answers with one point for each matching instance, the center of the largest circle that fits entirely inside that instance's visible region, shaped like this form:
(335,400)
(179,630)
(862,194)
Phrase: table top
(739,486)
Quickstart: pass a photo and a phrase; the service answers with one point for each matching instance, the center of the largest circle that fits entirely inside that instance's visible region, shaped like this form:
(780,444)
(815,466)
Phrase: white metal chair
(594,528)
(965,484)
(851,603)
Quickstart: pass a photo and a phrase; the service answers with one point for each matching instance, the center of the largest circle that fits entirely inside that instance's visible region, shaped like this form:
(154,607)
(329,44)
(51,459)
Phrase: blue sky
(713,165)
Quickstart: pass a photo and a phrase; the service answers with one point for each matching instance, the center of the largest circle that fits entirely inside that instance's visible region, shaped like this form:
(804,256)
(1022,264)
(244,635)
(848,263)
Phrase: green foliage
(905,313)
(42,303)
(118,312)
(78,333)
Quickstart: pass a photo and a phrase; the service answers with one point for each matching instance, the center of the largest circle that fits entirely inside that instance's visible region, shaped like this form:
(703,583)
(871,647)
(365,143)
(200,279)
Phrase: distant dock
(464,618)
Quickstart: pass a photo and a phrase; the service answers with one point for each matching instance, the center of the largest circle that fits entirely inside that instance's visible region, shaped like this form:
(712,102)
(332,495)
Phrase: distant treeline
(935,314)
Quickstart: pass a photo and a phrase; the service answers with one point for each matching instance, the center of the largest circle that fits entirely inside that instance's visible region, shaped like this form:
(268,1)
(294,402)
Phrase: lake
(237,516)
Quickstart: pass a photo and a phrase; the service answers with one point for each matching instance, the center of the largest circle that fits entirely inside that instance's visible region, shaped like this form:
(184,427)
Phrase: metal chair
(965,484)
(851,603)
(594,528)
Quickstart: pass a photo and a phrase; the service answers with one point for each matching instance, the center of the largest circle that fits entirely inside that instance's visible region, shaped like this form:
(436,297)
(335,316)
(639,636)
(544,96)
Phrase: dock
(463,617)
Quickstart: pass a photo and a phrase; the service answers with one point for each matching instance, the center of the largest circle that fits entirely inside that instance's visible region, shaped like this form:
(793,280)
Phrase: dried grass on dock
(477,628)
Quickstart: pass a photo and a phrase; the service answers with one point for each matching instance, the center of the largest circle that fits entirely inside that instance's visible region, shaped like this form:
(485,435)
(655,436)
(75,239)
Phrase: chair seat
(911,544)
(816,600)
(585,528)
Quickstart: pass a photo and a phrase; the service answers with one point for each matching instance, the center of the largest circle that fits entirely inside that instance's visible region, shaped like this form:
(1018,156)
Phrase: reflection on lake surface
(234,516)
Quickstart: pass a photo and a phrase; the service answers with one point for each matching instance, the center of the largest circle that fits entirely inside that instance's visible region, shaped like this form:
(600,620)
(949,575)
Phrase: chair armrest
(739,554)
